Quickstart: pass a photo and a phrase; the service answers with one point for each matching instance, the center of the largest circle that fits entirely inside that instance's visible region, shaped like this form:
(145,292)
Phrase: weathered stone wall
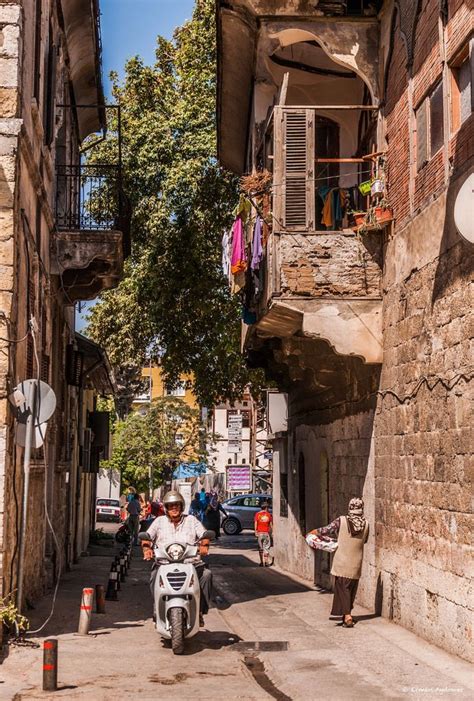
(423,433)
(10,50)
(423,451)
(336,264)
(344,451)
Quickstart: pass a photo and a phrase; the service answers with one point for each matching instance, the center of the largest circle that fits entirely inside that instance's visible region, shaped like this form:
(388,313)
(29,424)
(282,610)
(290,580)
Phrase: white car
(107,510)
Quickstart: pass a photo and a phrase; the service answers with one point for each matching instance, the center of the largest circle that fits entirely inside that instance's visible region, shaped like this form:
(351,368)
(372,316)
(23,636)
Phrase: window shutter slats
(295,170)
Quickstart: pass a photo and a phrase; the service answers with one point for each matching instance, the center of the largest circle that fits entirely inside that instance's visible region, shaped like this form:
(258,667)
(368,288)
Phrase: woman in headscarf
(351,532)
(212,516)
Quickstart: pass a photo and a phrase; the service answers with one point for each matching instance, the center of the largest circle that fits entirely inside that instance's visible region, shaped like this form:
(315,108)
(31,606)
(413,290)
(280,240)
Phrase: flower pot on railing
(359,218)
(383,215)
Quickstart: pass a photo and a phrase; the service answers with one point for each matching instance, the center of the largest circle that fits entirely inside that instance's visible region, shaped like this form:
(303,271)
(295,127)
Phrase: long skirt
(212,521)
(345,591)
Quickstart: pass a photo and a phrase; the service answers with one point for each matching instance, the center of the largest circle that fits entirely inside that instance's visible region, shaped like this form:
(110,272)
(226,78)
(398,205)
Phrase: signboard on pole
(239,478)
(234,444)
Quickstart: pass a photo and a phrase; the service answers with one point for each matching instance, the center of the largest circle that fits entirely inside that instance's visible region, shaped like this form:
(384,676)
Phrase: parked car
(107,510)
(241,511)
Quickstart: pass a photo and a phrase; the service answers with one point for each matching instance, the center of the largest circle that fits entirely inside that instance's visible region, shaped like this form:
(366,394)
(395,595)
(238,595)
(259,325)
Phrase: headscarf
(355,517)
(214,500)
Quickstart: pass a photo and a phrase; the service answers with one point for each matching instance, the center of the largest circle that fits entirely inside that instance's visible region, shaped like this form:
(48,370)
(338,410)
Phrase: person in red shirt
(263,525)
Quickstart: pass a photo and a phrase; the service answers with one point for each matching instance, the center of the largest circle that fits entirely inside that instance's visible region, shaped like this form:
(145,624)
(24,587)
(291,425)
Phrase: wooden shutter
(295,149)
(422,135)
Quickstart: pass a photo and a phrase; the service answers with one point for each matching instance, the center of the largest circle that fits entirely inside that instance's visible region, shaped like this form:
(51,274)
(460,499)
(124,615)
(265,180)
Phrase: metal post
(99,598)
(30,427)
(86,611)
(50,665)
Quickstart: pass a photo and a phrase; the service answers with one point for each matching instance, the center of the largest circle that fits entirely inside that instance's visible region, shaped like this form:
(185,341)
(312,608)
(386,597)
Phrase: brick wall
(397,134)
(334,264)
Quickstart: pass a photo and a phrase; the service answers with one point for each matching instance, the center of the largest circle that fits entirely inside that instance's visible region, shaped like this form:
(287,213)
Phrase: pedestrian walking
(212,517)
(195,507)
(134,508)
(263,525)
(351,532)
(203,503)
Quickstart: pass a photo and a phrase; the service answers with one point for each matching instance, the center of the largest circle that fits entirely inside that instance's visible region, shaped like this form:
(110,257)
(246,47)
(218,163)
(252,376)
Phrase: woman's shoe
(347,622)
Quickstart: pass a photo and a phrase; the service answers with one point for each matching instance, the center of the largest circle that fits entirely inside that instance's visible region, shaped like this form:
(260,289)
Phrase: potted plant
(359,218)
(10,618)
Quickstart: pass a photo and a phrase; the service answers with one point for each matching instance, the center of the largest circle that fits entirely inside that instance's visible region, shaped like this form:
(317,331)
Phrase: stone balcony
(324,286)
(92,230)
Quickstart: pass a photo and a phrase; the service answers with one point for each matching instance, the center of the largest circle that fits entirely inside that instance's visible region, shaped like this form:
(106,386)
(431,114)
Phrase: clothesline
(326,177)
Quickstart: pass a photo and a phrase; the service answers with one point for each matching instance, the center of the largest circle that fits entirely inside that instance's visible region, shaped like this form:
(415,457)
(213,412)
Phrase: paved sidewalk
(123,656)
(374,660)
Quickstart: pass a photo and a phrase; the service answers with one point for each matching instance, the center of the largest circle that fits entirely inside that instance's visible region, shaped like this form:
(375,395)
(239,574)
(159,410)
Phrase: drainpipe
(26,486)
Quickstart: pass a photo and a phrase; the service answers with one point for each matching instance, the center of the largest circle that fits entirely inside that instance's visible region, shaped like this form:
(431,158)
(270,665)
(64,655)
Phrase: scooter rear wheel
(177,630)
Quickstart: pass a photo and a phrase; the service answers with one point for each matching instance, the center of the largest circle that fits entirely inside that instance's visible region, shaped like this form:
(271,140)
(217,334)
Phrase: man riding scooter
(175,526)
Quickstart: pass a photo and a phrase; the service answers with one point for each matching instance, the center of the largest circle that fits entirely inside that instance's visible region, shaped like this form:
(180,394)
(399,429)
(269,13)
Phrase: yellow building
(157,388)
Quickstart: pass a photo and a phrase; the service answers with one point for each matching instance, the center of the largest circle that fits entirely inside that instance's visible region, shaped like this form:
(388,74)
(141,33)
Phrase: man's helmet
(173,497)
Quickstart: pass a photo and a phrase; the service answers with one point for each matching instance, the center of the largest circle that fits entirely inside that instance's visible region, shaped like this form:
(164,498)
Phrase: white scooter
(177,592)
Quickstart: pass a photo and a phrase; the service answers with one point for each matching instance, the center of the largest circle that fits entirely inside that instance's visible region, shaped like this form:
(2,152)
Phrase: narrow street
(268,636)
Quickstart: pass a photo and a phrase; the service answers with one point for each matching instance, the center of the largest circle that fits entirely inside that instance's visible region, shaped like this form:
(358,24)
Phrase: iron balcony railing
(89,197)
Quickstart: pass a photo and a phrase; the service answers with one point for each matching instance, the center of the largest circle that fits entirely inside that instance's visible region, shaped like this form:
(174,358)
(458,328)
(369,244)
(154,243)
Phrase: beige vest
(347,560)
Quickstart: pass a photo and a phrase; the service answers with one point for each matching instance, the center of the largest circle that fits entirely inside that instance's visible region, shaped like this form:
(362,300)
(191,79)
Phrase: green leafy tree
(174,294)
(153,443)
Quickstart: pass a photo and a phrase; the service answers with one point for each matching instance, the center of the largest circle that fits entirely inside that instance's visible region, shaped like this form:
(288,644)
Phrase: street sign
(234,433)
(239,478)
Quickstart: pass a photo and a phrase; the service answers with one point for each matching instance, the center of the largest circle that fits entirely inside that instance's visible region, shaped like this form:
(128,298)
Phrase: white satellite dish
(45,400)
(37,438)
(464,210)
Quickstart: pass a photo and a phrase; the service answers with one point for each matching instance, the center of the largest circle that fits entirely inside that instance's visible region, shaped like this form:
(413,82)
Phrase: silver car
(241,511)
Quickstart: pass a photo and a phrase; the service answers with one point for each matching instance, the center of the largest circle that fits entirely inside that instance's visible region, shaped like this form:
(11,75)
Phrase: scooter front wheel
(177,630)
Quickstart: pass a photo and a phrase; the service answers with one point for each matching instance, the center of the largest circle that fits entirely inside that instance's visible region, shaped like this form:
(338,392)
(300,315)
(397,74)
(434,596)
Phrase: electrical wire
(48,518)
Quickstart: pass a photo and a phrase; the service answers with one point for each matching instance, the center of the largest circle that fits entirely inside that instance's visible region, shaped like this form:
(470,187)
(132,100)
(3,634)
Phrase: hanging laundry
(238,259)
(226,253)
(257,250)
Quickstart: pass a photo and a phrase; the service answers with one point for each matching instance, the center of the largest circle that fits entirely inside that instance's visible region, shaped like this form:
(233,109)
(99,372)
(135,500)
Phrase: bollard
(86,611)
(122,569)
(99,598)
(50,665)
(111,593)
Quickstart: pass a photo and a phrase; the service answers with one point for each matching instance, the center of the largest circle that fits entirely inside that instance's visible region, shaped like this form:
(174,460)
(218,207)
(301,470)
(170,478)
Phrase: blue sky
(130,27)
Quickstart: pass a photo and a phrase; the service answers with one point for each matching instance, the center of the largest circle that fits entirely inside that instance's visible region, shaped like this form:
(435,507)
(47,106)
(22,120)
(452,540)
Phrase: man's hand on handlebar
(147,549)
(204,546)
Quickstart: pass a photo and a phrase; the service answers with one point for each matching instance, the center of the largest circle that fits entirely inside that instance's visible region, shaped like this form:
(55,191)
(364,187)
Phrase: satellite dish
(37,438)
(45,401)
(464,210)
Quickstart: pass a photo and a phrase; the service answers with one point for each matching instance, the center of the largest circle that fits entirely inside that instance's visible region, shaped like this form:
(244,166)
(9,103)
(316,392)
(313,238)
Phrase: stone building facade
(369,333)
(50,257)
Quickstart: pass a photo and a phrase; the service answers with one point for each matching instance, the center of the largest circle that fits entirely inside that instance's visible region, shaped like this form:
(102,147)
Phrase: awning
(190,469)
(97,372)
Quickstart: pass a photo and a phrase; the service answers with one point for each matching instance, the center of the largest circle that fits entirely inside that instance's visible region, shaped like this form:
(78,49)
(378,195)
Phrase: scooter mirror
(143,536)
(210,535)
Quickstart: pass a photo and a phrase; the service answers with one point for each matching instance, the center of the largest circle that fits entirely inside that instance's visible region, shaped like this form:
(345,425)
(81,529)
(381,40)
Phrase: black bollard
(50,665)
(99,598)
(111,593)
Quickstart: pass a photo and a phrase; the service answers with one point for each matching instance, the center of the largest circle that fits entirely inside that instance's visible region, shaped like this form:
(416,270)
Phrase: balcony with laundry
(314,189)
(92,214)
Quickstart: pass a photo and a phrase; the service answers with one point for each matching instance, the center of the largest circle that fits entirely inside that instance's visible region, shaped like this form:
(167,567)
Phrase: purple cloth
(257,250)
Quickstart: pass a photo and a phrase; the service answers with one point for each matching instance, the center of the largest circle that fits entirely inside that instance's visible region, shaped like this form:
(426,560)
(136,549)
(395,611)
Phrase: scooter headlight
(175,551)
